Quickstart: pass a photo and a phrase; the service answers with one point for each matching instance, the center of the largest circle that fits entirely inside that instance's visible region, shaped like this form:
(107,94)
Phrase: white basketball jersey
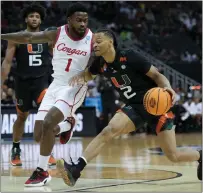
(70,56)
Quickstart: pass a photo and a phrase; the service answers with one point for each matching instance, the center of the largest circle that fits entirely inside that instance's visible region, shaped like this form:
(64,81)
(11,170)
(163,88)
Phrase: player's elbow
(29,37)
(158,77)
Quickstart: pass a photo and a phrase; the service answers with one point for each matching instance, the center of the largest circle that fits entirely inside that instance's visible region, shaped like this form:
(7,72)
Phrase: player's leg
(18,130)
(23,105)
(41,176)
(66,100)
(166,136)
(39,91)
(56,114)
(123,122)
(74,100)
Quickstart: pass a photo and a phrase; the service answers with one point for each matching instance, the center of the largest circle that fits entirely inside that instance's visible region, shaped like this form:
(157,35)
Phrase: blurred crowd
(150,24)
(171,31)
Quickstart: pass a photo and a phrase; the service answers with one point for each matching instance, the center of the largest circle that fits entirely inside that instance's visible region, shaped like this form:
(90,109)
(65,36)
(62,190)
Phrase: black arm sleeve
(138,62)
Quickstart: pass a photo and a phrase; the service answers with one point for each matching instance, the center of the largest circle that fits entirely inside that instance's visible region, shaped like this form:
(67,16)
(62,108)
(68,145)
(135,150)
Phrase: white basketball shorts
(66,98)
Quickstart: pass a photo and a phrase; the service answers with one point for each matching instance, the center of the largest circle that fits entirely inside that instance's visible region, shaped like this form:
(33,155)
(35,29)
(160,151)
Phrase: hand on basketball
(172,93)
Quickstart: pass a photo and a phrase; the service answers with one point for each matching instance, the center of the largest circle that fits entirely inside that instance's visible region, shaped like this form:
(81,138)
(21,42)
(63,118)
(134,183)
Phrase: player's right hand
(76,80)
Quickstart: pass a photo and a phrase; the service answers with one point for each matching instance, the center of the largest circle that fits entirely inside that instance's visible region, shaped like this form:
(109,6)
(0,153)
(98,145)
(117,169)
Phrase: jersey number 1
(35,60)
(68,65)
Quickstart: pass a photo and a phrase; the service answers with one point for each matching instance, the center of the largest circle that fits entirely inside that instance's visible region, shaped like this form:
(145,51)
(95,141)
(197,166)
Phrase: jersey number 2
(35,60)
(68,65)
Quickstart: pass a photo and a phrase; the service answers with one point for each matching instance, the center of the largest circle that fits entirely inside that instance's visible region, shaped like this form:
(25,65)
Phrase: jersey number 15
(35,54)
(35,60)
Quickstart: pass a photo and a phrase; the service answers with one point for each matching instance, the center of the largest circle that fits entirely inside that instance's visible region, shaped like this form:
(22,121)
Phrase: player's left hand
(173,94)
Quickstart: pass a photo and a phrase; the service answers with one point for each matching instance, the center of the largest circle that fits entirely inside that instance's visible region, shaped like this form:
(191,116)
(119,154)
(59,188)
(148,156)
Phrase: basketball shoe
(15,157)
(52,161)
(69,172)
(67,135)
(38,178)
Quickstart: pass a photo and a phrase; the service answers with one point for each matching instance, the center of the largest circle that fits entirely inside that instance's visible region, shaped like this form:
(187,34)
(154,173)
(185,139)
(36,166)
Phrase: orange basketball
(157,101)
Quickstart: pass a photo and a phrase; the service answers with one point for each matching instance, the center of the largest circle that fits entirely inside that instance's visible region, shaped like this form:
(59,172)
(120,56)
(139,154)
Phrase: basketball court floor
(124,165)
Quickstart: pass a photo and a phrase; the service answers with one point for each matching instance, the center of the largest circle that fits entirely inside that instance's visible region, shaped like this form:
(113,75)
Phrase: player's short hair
(110,34)
(76,7)
(34,8)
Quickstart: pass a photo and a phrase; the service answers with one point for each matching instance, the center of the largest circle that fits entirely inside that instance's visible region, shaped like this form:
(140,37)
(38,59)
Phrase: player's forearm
(25,37)
(162,81)
(88,76)
(19,37)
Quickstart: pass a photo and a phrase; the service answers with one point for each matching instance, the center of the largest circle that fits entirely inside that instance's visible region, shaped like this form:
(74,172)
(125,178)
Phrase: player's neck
(32,30)
(73,34)
(109,56)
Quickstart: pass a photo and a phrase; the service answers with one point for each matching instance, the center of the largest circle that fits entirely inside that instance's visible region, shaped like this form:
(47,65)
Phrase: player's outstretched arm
(24,37)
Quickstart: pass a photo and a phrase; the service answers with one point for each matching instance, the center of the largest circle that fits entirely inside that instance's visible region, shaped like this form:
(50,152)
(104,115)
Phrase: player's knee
(38,130)
(106,133)
(110,131)
(172,156)
(47,124)
(22,117)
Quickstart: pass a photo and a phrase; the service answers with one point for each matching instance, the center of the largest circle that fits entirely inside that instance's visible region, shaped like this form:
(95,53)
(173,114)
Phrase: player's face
(101,44)
(33,20)
(78,22)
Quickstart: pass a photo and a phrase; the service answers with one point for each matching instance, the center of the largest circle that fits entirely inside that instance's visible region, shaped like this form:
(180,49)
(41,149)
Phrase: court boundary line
(127,183)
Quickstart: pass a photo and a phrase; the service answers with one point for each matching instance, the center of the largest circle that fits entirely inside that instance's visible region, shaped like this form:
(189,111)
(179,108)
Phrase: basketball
(157,101)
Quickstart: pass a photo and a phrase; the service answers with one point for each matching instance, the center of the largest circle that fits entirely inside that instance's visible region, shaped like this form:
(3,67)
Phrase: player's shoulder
(52,28)
(125,53)
(89,30)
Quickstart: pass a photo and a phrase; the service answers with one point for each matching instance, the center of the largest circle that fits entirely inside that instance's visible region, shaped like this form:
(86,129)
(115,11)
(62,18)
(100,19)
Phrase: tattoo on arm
(30,37)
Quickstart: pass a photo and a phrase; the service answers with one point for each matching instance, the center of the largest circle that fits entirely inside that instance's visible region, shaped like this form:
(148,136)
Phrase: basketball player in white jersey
(71,54)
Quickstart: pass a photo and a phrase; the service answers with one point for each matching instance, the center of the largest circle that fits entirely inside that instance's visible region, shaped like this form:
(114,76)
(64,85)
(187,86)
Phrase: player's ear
(26,20)
(110,42)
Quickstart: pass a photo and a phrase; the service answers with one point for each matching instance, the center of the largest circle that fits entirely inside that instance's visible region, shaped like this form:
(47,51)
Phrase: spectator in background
(109,97)
(3,98)
(187,57)
(92,89)
(93,97)
(10,96)
(150,16)
(7,98)
(198,111)
(192,116)
(188,20)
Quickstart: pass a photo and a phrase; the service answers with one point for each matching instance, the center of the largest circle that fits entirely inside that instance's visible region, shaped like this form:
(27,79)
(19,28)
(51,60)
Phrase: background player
(132,76)
(72,50)
(31,74)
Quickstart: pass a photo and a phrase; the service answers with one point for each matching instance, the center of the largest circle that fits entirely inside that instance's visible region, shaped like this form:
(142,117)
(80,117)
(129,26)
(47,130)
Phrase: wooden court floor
(125,165)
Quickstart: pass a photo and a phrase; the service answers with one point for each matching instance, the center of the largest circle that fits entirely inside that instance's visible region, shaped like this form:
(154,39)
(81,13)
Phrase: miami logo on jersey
(125,79)
(127,89)
(35,55)
(32,51)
